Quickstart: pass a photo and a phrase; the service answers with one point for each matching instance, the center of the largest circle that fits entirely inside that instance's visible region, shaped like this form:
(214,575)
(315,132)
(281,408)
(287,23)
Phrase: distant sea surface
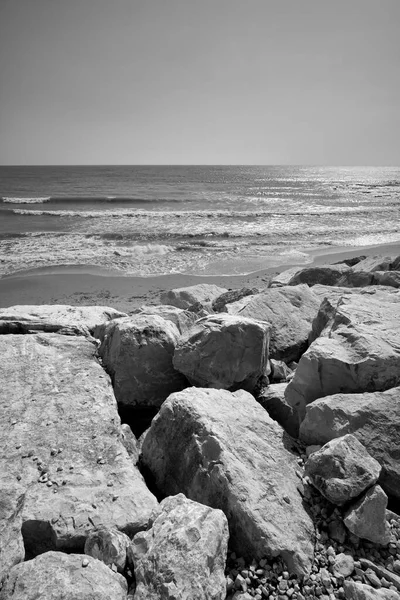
(148,220)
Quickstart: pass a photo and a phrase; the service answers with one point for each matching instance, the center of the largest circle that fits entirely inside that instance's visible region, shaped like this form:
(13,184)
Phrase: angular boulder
(55,575)
(373,418)
(323,274)
(108,545)
(272,398)
(183,555)
(367,517)
(203,293)
(137,352)
(387,278)
(374,263)
(360,591)
(342,469)
(12,549)
(60,438)
(290,310)
(79,320)
(355,349)
(183,319)
(222,449)
(220,303)
(224,351)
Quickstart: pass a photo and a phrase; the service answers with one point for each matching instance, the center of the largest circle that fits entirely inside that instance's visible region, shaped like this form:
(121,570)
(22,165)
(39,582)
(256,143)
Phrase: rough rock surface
(220,303)
(373,418)
(374,263)
(360,591)
(12,549)
(59,576)
(366,518)
(222,449)
(130,442)
(183,555)
(323,274)
(272,398)
(60,437)
(290,310)
(358,350)
(183,319)
(203,293)
(55,318)
(224,351)
(108,545)
(388,278)
(137,352)
(342,469)
(334,293)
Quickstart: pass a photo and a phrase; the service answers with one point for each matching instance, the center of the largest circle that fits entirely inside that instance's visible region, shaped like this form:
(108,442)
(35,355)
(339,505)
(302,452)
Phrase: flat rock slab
(183,555)
(224,351)
(202,293)
(183,319)
(56,576)
(59,423)
(356,348)
(373,418)
(137,352)
(54,318)
(290,310)
(222,449)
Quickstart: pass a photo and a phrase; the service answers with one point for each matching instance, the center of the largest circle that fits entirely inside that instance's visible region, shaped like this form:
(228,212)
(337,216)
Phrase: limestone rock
(360,591)
(204,293)
(342,469)
(290,310)
(60,435)
(367,517)
(373,418)
(220,303)
(137,352)
(12,549)
(183,555)
(224,351)
(357,350)
(56,576)
(183,319)
(108,545)
(272,398)
(222,449)
(81,320)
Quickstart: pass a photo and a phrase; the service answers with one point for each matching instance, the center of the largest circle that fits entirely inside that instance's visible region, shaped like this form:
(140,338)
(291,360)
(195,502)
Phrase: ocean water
(148,220)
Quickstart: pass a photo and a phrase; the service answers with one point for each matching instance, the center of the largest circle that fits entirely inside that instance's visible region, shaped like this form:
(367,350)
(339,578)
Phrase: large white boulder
(355,349)
(56,576)
(183,554)
(137,352)
(183,319)
(202,293)
(373,418)
(222,449)
(224,351)
(290,310)
(60,439)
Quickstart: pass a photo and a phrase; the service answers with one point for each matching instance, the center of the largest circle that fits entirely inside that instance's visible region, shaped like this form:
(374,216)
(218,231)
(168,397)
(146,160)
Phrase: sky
(200,82)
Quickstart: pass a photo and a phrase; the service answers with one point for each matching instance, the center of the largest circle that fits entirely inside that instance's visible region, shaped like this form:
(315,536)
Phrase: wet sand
(82,285)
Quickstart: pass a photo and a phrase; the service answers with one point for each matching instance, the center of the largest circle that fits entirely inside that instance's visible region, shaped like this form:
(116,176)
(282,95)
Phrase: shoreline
(85,285)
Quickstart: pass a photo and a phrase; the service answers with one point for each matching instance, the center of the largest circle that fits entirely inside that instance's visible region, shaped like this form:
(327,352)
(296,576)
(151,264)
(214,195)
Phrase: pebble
(85,562)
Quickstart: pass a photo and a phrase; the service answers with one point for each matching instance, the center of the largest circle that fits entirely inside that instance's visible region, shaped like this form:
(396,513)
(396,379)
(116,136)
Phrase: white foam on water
(13,200)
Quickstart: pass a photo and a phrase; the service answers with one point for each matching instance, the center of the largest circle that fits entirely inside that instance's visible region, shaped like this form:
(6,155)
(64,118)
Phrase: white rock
(108,545)
(186,297)
(367,517)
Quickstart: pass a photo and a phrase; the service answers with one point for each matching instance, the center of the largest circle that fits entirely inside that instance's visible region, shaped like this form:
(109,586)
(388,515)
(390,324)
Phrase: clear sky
(200,82)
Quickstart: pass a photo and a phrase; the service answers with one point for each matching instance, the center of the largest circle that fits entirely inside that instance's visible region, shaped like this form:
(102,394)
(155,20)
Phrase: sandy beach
(84,286)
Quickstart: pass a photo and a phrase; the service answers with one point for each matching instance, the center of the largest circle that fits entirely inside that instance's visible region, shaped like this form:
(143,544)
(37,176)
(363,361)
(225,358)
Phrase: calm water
(150,220)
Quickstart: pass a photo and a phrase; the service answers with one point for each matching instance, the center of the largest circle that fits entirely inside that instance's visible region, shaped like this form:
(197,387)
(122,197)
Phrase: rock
(55,575)
(342,469)
(382,572)
(290,310)
(337,531)
(359,591)
(343,565)
(272,398)
(220,303)
(311,449)
(183,319)
(373,418)
(280,372)
(357,351)
(108,545)
(322,274)
(65,444)
(224,351)
(79,320)
(334,293)
(12,549)
(373,263)
(137,352)
(366,518)
(388,278)
(204,293)
(183,555)
(222,449)
(130,442)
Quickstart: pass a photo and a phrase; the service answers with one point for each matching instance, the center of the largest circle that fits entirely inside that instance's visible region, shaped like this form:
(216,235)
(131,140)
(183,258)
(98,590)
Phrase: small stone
(373,578)
(18,446)
(59,469)
(109,484)
(53,452)
(396,566)
(343,565)
(85,562)
(43,478)
(59,450)
(71,467)
(49,483)
(14,422)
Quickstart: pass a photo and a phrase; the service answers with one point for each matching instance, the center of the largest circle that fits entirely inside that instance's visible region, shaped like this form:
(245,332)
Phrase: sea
(202,220)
